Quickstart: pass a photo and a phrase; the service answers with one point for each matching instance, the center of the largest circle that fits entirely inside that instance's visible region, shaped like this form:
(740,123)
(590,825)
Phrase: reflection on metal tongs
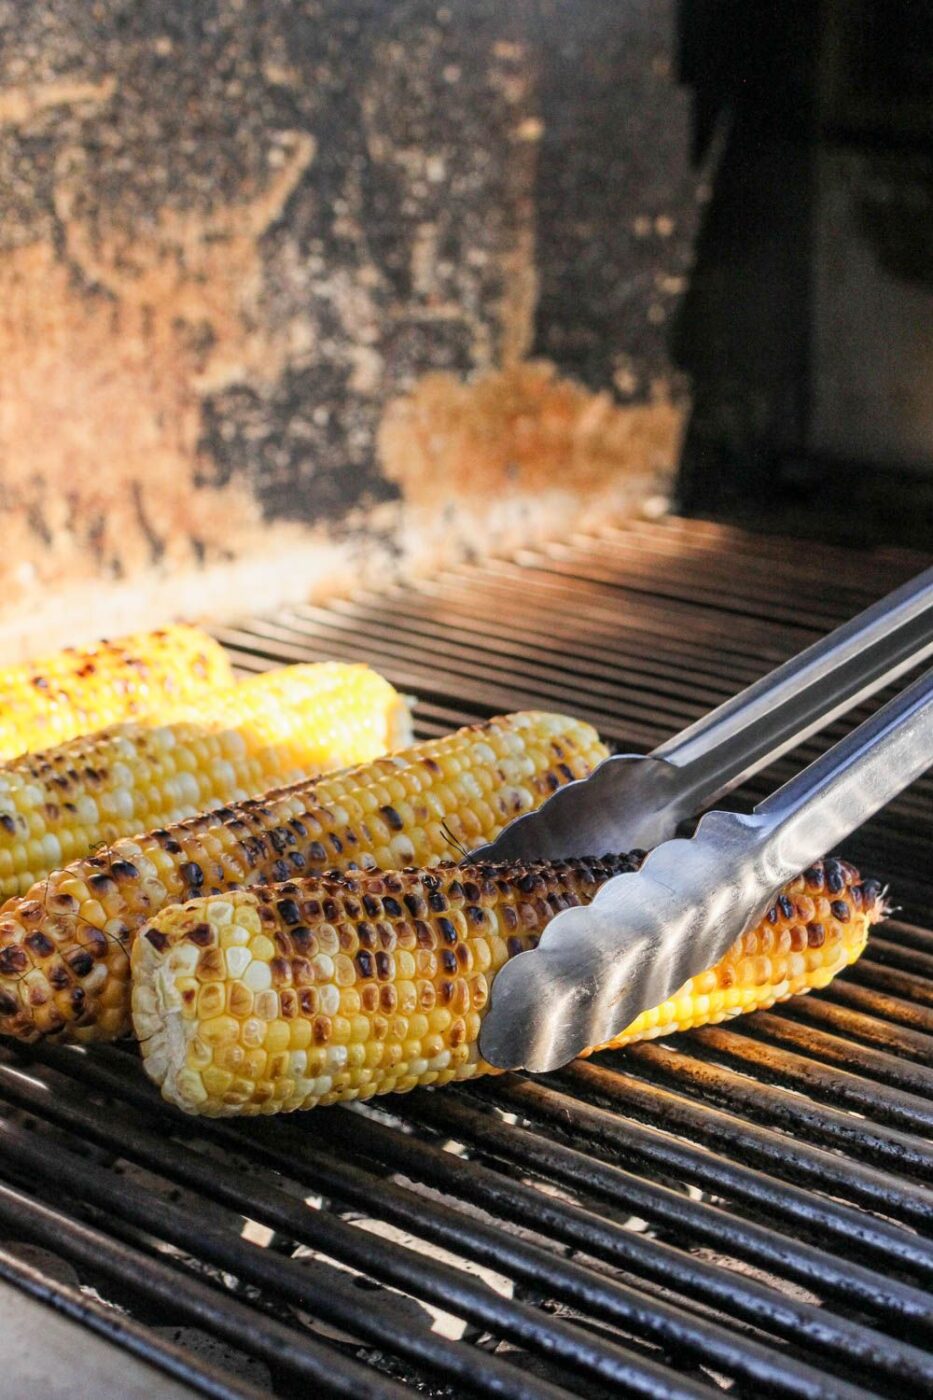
(645,934)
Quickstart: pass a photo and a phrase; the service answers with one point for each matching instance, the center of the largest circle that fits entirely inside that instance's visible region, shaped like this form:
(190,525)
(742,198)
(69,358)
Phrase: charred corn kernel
(450,912)
(45,702)
(77,924)
(274,728)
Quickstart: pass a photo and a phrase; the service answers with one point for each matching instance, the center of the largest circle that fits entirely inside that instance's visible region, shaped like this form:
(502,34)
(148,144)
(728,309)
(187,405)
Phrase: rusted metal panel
(235,239)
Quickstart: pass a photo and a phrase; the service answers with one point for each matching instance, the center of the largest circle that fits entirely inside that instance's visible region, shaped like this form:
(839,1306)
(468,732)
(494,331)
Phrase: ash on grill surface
(747,1209)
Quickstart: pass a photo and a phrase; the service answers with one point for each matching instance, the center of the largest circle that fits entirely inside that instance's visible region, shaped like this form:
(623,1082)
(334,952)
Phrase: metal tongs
(598,967)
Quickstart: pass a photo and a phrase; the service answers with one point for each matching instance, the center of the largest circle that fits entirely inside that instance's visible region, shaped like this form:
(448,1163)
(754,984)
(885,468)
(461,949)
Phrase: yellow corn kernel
(273,729)
(360,1041)
(81,689)
(77,924)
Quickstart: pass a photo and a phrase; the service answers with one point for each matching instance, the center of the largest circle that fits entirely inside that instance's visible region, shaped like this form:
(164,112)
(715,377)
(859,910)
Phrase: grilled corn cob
(76,691)
(64,946)
(343,987)
(274,728)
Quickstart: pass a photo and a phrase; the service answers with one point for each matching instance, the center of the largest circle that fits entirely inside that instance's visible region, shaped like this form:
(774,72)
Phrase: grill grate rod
(726,1111)
(439,1283)
(675,1154)
(882,1022)
(174,1293)
(764,1097)
(678,1215)
(646,722)
(322,1289)
(706,1223)
(880,1004)
(882,1086)
(288,1149)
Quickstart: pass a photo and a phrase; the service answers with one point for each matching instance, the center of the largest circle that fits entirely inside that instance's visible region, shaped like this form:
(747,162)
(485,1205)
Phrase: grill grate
(744,1210)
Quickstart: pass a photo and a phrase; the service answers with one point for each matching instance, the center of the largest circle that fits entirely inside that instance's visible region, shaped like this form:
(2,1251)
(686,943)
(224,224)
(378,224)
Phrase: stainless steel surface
(598,967)
(633,802)
(49,1354)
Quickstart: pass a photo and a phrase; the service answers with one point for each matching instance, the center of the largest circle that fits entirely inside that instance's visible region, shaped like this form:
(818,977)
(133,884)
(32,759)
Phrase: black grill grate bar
(665,571)
(888,979)
(488,616)
(785,1069)
(643,727)
(570,1283)
(894,954)
(681,582)
(688,591)
(436,684)
(380,627)
(386,631)
(542,604)
(835,1033)
(805,1130)
(323,1289)
(706,541)
(642,553)
(736,637)
(405,661)
(723,1109)
(139,1341)
(697,1219)
(526,691)
(536,654)
(911,935)
(751,558)
(492,619)
(603,625)
(882,1006)
(288,1150)
(673,1213)
(742,607)
(805,1325)
(439,1283)
(612,678)
(756,1182)
(175,1293)
(703,536)
(832,1045)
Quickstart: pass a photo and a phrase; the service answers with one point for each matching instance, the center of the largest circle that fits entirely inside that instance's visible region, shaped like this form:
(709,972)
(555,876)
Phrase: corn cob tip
(340,987)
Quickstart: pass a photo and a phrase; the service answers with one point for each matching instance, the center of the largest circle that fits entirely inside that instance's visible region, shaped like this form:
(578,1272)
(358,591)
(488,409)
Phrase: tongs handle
(802,696)
(844,787)
(630,802)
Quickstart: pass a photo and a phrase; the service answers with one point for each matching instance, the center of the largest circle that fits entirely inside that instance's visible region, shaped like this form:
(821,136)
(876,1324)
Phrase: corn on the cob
(76,691)
(342,987)
(275,728)
(64,946)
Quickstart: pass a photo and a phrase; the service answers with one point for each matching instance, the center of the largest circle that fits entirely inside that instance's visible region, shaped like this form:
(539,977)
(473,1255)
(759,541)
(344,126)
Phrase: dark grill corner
(746,1209)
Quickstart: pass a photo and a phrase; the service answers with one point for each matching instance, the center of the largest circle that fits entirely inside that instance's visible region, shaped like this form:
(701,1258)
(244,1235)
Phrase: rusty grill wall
(287,290)
(745,1208)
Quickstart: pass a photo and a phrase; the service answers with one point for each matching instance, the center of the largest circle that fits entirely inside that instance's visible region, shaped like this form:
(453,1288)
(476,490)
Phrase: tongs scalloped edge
(645,934)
